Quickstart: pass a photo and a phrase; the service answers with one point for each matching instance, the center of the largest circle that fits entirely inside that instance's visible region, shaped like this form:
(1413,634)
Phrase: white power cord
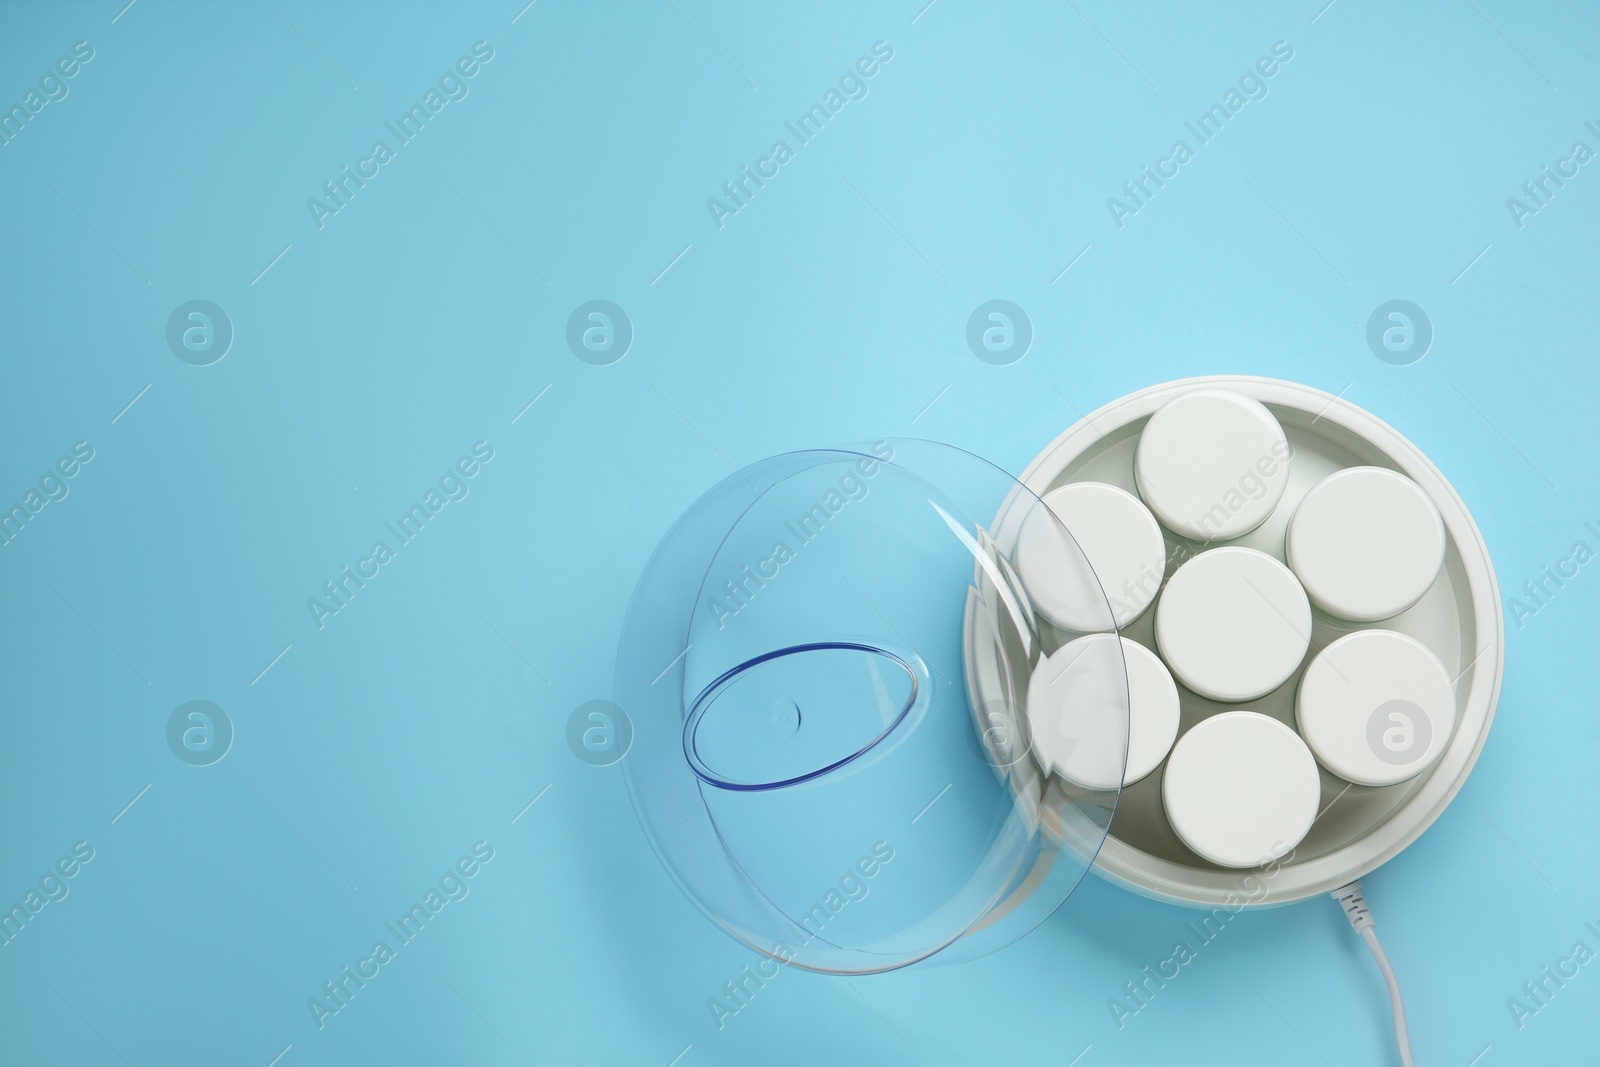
(1355,909)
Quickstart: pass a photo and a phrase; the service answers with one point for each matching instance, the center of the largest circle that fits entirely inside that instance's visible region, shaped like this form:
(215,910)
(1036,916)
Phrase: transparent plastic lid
(807,760)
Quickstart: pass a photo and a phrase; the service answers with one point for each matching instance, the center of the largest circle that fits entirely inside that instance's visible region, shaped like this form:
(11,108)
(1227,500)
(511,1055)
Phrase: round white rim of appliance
(1212,464)
(1366,542)
(1087,749)
(1241,789)
(1117,535)
(1376,707)
(1233,624)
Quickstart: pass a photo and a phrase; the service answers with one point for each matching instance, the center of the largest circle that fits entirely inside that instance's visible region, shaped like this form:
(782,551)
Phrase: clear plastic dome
(808,762)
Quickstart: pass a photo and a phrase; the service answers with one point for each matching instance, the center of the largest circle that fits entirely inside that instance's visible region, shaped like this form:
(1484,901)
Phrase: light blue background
(428,713)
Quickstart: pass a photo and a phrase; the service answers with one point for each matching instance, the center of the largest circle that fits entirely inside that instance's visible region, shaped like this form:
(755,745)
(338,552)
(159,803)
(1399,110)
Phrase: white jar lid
(1212,464)
(1241,789)
(1366,542)
(1233,624)
(1376,707)
(1076,719)
(1122,542)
